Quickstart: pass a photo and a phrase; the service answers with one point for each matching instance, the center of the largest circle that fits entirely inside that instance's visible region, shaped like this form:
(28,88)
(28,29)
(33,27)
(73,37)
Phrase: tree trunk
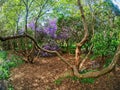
(83,41)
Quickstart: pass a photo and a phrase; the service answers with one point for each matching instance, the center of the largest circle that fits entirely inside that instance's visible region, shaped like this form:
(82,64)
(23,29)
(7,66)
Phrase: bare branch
(49,51)
(31,3)
(35,42)
(11,37)
(92,27)
(84,39)
(85,25)
(24,3)
(40,10)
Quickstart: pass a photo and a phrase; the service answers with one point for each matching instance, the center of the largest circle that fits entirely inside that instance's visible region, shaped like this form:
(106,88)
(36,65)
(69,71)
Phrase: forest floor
(42,76)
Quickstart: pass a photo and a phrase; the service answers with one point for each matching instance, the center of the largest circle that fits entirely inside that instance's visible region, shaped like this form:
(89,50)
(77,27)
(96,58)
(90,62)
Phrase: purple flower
(20,32)
(63,35)
(53,22)
(51,28)
(31,25)
(50,46)
(38,29)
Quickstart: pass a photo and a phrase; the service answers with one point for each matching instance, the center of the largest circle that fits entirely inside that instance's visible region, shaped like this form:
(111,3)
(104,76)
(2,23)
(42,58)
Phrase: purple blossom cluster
(31,25)
(49,32)
(64,34)
(50,46)
(50,28)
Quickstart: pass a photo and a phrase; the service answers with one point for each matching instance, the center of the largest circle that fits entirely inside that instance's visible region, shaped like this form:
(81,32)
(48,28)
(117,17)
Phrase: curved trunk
(83,41)
(101,72)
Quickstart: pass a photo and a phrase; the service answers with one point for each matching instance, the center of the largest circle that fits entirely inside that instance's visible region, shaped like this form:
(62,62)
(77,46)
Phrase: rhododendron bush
(49,35)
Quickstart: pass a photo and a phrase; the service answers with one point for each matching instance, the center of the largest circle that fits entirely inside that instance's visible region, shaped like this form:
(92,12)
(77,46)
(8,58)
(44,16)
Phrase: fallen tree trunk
(36,44)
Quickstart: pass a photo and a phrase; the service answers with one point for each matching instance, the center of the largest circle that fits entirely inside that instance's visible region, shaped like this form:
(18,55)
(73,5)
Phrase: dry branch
(35,42)
(85,38)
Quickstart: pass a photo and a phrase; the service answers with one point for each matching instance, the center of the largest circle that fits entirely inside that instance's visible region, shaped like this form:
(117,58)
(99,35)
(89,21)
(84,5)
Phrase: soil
(41,75)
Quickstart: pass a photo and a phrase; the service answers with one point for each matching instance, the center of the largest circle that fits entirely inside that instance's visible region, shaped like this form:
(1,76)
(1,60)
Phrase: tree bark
(83,41)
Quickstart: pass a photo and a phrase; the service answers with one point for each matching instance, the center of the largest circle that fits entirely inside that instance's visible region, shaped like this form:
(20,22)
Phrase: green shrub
(4,73)
(5,65)
(105,43)
(3,55)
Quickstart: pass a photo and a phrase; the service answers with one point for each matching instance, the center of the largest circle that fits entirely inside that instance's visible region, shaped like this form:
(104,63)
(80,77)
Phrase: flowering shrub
(49,29)
(64,34)
(47,33)
(31,25)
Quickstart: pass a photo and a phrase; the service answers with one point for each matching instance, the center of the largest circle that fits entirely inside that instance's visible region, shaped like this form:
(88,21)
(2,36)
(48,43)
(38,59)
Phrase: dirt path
(41,76)
(38,76)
